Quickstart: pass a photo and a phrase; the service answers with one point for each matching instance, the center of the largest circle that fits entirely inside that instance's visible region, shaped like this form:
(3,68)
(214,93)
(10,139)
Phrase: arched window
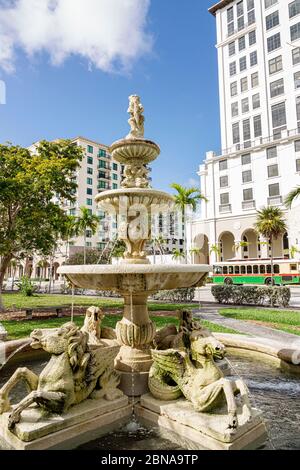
(285,241)
(243,269)
(249,269)
(269,269)
(245,248)
(262,269)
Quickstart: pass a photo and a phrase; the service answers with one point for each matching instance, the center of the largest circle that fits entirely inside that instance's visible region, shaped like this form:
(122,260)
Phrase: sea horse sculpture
(136,120)
(191,371)
(74,373)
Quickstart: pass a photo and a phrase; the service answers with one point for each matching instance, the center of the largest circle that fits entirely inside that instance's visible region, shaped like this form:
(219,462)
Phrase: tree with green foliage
(184,199)
(86,221)
(270,223)
(290,198)
(177,255)
(33,188)
(215,248)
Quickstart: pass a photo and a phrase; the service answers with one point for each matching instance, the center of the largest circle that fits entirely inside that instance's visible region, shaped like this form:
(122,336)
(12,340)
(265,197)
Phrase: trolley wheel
(228,281)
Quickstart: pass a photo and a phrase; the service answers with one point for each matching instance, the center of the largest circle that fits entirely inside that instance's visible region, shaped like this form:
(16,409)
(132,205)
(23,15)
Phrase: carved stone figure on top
(136,120)
(74,373)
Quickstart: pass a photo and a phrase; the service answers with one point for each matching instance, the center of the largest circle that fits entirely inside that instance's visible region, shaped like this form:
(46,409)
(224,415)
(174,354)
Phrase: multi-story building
(258,46)
(97,172)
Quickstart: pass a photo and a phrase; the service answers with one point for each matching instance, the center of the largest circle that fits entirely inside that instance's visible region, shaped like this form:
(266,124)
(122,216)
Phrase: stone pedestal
(82,423)
(203,430)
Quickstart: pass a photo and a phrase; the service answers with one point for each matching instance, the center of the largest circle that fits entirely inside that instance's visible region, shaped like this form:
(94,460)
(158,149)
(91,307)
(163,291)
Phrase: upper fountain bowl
(134,151)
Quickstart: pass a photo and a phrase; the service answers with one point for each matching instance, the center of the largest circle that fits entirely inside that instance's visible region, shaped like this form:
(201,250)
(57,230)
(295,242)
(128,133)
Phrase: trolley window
(230,269)
(262,269)
(225,270)
(236,270)
(243,269)
(255,269)
(249,269)
(276,268)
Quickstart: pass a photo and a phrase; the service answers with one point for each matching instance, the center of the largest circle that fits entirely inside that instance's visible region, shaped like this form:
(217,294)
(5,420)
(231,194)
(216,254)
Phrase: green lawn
(285,320)
(22,329)
(18,301)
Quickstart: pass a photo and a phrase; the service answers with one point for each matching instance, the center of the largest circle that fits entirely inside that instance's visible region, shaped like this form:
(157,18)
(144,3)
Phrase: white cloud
(110,34)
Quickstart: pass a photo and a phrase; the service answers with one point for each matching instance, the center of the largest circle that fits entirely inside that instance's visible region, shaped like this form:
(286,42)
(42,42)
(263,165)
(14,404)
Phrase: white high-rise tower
(258,44)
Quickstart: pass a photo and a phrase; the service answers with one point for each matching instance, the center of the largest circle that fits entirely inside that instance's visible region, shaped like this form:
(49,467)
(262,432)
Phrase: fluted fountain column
(135,333)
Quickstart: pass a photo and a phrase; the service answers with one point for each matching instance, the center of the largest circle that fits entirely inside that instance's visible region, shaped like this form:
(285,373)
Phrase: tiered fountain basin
(150,198)
(135,332)
(134,151)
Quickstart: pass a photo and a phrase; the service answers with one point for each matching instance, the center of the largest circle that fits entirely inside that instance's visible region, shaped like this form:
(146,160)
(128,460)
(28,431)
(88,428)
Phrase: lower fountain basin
(135,278)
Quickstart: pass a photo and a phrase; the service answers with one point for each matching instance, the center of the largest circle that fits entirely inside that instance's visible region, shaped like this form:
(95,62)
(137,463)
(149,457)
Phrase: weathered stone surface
(3,333)
(36,431)
(72,375)
(208,430)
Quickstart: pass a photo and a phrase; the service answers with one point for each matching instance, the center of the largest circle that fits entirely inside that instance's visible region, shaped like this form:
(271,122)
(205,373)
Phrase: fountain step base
(82,423)
(204,430)
(134,384)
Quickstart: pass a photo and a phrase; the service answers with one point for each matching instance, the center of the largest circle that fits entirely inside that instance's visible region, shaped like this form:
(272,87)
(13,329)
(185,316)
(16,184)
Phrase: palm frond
(292,195)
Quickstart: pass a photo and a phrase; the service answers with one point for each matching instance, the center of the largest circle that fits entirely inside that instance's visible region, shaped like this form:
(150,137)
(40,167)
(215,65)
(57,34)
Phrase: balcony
(247,205)
(275,201)
(224,208)
(103,175)
(241,147)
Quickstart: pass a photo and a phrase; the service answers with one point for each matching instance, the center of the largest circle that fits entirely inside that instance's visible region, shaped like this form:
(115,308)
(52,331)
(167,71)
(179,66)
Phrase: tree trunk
(184,238)
(84,248)
(3,267)
(272,262)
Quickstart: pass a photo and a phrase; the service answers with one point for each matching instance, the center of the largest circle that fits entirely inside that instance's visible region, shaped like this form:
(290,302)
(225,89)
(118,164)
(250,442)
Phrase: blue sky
(174,72)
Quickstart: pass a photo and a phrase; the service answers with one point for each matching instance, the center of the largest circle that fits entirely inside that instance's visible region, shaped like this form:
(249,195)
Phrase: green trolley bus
(257,271)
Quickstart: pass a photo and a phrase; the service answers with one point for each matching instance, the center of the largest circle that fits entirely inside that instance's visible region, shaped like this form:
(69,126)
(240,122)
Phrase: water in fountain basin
(276,394)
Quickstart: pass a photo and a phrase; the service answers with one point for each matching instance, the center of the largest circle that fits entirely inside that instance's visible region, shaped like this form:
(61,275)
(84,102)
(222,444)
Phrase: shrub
(252,295)
(175,295)
(27,287)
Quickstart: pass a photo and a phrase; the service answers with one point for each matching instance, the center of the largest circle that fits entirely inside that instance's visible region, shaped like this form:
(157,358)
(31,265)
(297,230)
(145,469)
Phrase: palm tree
(238,245)
(270,223)
(185,198)
(215,249)
(69,231)
(195,252)
(159,243)
(294,194)
(293,251)
(178,255)
(86,221)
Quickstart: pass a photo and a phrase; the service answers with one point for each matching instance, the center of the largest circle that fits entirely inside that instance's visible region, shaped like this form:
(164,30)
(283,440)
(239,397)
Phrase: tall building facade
(258,47)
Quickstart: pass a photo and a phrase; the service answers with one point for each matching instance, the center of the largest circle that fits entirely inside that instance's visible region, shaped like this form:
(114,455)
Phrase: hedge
(252,295)
(175,295)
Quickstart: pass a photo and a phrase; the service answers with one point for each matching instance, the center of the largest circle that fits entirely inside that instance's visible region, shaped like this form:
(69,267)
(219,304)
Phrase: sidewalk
(211,313)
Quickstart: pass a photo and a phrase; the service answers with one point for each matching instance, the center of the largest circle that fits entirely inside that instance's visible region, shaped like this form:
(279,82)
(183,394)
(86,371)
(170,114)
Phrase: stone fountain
(171,375)
(135,278)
